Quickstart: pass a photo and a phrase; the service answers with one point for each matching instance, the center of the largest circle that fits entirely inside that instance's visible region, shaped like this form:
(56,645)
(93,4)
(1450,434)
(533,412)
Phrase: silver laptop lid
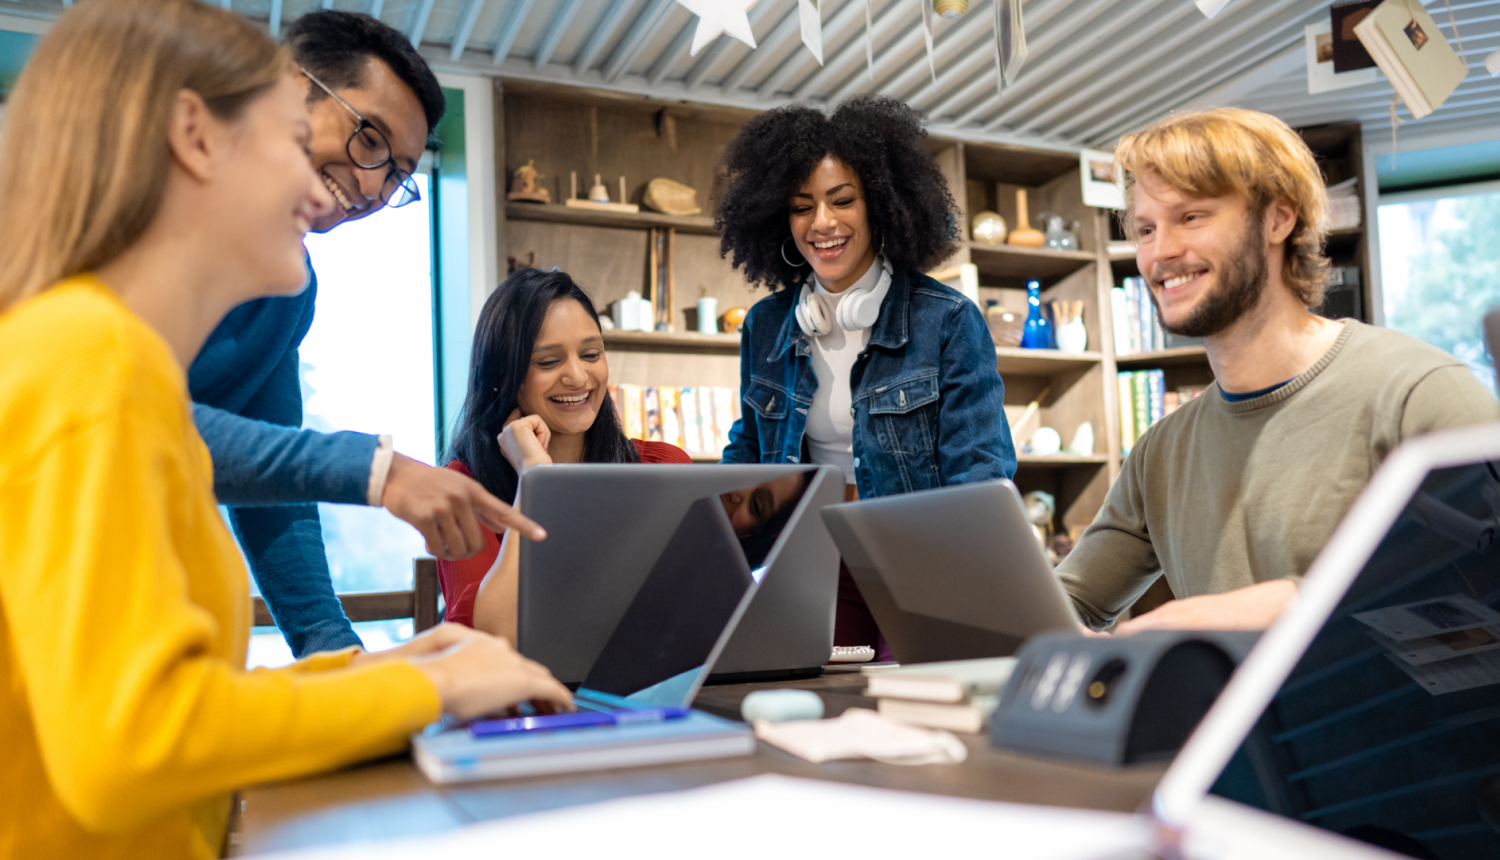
(1372,709)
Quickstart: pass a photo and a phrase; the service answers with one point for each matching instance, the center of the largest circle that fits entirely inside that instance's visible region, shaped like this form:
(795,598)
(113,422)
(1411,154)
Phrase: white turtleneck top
(830,420)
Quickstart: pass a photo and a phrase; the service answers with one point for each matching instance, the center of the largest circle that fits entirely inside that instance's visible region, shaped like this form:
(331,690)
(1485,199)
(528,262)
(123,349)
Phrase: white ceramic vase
(1072,337)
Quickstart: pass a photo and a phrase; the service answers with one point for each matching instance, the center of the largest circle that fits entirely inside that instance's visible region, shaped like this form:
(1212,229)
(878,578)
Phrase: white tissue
(862,733)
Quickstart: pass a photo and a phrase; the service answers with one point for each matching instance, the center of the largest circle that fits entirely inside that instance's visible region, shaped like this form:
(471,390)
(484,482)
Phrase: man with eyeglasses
(373,102)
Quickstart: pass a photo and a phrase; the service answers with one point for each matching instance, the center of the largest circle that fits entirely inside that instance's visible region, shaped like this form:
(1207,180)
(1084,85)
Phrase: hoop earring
(789,262)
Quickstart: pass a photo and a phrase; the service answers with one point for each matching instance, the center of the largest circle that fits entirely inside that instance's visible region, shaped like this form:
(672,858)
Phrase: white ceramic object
(1072,337)
(1046,442)
(1083,441)
(708,315)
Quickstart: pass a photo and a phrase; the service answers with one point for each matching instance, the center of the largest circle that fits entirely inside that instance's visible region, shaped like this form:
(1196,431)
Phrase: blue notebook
(455,755)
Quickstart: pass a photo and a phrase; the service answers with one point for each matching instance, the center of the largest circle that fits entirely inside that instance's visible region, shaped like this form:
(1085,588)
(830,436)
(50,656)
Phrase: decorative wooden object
(527,186)
(671,198)
(1024,234)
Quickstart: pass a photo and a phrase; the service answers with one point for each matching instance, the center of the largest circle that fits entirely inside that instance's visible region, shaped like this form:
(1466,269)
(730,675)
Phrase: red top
(460,579)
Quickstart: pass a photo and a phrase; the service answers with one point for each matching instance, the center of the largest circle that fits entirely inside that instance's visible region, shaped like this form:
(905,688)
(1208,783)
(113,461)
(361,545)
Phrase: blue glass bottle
(1038,331)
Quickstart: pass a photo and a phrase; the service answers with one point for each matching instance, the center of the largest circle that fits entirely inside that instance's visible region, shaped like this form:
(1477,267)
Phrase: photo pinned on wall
(1321,75)
(1103,181)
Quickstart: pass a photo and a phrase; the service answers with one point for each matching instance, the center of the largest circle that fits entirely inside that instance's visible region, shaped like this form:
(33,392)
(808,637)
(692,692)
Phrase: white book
(1414,54)
(724,400)
(692,425)
(949,681)
(1119,316)
(971,717)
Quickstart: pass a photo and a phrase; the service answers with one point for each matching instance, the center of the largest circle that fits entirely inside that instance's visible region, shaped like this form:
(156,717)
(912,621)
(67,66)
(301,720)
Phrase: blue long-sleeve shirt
(247,403)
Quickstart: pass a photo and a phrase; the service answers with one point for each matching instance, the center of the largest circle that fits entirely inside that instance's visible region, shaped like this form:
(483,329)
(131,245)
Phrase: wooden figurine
(526,185)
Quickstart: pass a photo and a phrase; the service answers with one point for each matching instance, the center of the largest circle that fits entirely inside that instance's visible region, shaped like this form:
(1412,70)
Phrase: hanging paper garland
(812,27)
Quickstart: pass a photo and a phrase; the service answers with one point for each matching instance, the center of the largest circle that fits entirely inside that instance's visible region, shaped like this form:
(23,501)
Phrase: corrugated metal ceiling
(1096,67)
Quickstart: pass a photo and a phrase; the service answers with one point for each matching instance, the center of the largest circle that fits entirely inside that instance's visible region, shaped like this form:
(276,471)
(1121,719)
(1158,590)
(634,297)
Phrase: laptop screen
(683,613)
(1388,729)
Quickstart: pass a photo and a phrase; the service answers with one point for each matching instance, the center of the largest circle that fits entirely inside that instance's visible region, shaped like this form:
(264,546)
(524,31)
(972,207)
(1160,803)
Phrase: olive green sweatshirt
(1219,495)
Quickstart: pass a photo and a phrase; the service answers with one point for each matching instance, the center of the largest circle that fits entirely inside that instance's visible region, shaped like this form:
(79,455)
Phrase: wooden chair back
(419,604)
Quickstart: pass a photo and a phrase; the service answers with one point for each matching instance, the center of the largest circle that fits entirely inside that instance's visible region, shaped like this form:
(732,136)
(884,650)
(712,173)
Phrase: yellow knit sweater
(126,715)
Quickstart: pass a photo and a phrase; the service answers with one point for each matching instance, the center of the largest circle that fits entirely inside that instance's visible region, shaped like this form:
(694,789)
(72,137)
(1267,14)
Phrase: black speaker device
(1114,700)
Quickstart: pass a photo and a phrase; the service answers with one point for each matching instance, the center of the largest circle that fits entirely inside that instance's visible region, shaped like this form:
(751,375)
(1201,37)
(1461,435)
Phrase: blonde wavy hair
(1213,153)
(84,158)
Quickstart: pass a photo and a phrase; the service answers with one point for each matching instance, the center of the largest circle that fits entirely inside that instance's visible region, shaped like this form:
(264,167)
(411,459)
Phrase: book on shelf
(1414,54)
(652,403)
(951,681)
(671,416)
(1119,317)
(695,419)
(1145,400)
(971,716)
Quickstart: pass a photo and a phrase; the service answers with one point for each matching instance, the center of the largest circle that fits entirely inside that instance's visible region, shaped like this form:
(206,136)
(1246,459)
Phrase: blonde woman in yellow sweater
(153,175)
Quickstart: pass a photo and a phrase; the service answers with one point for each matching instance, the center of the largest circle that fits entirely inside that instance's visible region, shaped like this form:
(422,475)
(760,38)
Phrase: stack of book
(959,696)
(697,420)
(1145,400)
(1134,317)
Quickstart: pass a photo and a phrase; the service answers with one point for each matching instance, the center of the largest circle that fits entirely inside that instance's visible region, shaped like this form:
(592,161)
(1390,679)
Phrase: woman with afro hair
(857,358)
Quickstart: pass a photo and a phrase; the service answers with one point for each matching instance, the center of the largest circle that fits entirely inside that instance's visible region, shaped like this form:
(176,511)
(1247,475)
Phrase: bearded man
(1232,496)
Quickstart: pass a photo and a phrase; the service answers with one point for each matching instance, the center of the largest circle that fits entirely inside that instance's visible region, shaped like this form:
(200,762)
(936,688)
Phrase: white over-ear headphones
(858,309)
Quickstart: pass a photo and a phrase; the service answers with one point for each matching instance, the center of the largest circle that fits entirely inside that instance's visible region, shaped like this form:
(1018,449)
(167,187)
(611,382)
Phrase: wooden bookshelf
(673,340)
(1174,357)
(1043,362)
(554,213)
(1012,262)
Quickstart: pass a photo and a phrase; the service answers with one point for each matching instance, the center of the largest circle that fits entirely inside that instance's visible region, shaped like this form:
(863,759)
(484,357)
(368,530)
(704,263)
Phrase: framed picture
(1103,181)
(1321,77)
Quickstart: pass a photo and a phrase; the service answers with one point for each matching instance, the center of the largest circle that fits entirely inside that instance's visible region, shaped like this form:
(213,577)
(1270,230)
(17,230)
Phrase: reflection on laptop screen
(1388,729)
(683,614)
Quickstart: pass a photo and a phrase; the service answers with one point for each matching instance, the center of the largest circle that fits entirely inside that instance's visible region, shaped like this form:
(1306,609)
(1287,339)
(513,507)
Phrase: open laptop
(608,525)
(950,574)
(679,620)
(1371,709)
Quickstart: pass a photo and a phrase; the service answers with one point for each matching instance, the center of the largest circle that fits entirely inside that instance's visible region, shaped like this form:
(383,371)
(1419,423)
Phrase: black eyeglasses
(369,150)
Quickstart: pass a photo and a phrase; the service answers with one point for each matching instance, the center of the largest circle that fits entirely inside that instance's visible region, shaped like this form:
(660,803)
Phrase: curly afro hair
(911,212)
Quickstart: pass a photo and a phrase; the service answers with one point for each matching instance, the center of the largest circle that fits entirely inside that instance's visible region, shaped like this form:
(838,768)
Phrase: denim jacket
(928,409)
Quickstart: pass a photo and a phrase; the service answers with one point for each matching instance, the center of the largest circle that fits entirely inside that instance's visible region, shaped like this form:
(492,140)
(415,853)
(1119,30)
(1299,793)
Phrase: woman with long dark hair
(857,358)
(538,378)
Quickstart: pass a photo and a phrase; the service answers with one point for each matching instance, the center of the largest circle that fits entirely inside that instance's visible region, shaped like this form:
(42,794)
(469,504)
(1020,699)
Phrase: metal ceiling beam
(668,58)
(1045,36)
(1032,90)
(273,24)
(1132,71)
(602,31)
(641,33)
(418,21)
(773,42)
(1060,35)
(853,11)
(565,12)
(1173,92)
(977,24)
(466,18)
(854,51)
(1236,88)
(505,37)
(913,38)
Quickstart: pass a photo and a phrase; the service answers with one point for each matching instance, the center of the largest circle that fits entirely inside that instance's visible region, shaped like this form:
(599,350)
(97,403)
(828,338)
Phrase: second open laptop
(608,525)
(950,574)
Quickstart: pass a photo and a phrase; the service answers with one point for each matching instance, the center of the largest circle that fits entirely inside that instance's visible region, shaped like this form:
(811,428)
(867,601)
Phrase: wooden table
(391,798)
